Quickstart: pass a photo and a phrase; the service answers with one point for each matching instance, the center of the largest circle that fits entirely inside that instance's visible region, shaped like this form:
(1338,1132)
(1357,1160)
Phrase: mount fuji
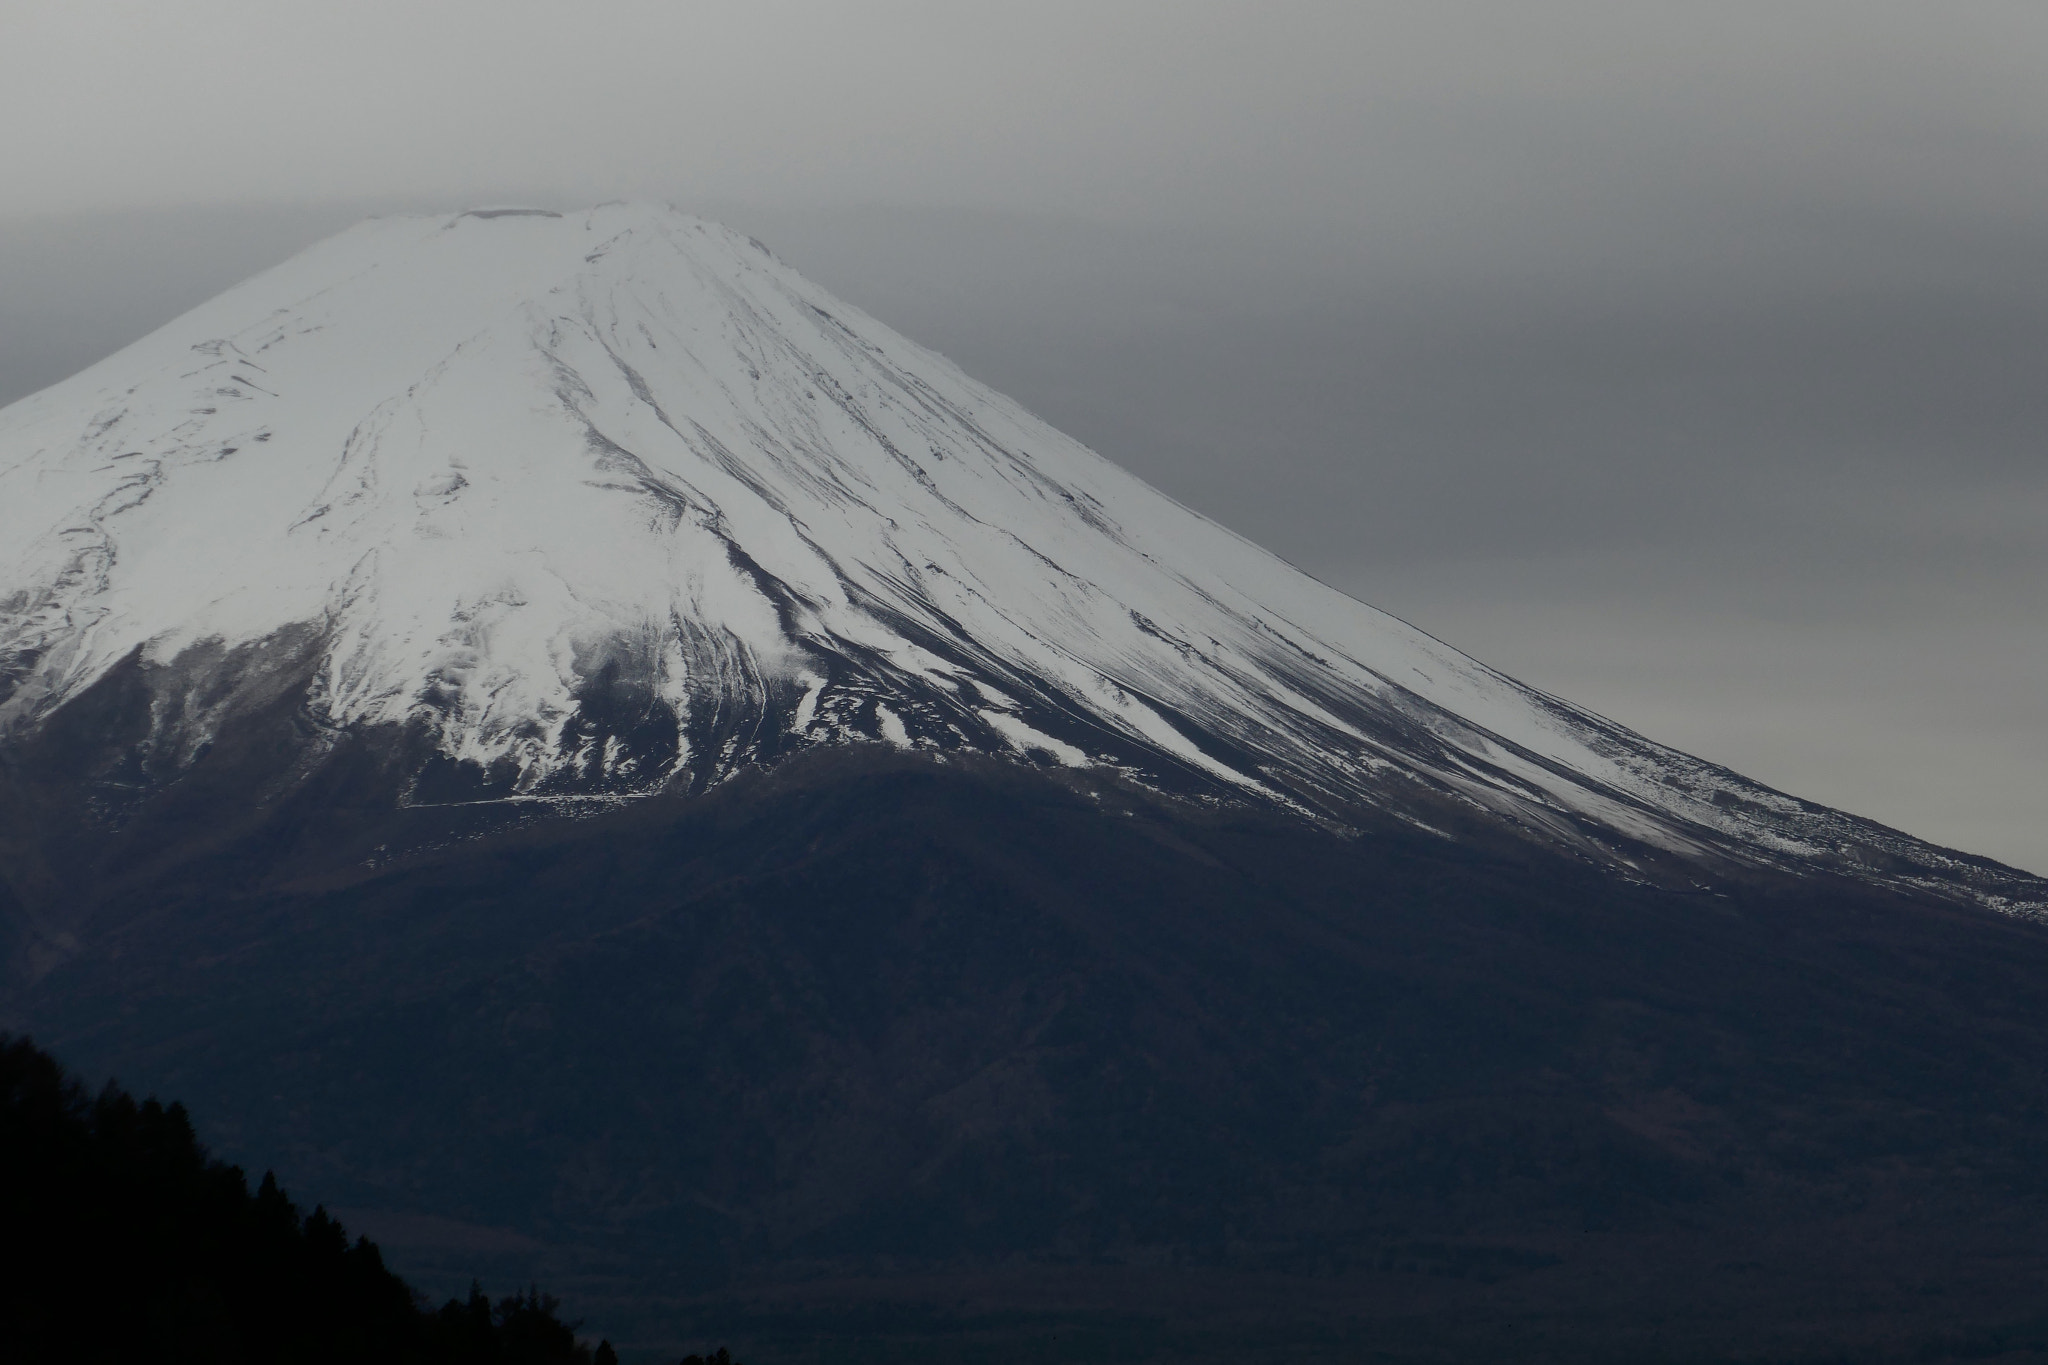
(600,505)
(610,765)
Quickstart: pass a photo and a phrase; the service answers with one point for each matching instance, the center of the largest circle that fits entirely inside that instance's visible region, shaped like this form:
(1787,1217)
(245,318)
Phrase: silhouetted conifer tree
(131,1244)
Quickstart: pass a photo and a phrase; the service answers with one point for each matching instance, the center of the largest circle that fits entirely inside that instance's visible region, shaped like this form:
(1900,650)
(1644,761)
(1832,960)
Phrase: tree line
(130,1242)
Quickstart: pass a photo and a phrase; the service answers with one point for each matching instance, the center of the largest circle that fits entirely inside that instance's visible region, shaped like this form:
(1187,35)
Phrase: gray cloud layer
(1683,360)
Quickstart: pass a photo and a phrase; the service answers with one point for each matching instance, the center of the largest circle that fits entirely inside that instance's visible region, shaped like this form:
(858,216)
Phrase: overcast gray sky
(1685,360)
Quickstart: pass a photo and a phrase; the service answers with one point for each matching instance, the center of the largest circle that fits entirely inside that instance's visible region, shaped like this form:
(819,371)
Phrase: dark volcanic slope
(958,1025)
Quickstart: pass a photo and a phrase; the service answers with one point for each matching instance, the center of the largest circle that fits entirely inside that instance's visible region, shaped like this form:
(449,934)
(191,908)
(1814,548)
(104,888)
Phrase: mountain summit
(602,504)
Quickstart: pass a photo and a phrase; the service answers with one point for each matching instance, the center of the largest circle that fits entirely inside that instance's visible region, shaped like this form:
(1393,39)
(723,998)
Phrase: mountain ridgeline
(614,763)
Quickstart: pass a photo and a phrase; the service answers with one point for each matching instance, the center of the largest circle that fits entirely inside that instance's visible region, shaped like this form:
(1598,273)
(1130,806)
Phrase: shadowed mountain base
(883,1058)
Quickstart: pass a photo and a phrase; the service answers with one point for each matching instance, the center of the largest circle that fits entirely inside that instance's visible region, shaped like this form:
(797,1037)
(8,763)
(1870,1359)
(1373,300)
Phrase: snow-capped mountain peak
(614,502)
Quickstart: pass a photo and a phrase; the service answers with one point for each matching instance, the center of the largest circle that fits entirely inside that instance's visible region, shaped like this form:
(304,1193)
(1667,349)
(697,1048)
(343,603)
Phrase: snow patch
(1024,739)
(807,706)
(892,727)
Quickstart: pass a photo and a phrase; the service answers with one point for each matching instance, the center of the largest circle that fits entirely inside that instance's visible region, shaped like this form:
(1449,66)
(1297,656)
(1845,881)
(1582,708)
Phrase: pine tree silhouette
(134,1244)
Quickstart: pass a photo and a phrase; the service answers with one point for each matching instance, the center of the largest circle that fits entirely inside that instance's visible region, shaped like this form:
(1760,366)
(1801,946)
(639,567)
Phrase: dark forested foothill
(128,1242)
(877,1058)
